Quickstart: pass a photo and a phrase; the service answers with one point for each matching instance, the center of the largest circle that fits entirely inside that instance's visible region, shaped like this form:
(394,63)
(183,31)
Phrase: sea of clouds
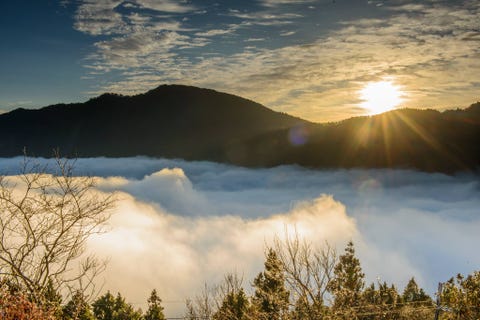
(178,225)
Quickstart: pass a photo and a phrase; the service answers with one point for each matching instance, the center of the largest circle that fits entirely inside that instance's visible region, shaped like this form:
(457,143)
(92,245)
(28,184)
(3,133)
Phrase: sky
(178,225)
(310,58)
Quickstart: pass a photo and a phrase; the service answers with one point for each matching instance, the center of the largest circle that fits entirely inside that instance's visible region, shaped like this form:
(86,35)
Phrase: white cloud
(99,17)
(287,33)
(263,16)
(273,3)
(133,50)
(432,54)
(201,220)
(214,32)
(148,247)
(104,17)
(165,6)
(254,39)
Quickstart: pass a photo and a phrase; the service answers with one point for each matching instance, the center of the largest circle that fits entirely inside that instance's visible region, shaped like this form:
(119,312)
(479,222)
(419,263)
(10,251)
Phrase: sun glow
(380,96)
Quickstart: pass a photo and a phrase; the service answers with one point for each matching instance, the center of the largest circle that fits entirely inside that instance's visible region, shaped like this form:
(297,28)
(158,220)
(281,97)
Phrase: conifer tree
(124,310)
(462,296)
(104,307)
(388,295)
(413,294)
(155,309)
(108,307)
(77,308)
(382,302)
(416,304)
(51,299)
(371,296)
(271,297)
(348,282)
(234,306)
(305,310)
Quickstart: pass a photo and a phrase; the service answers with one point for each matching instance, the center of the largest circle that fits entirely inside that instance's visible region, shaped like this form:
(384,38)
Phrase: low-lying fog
(180,224)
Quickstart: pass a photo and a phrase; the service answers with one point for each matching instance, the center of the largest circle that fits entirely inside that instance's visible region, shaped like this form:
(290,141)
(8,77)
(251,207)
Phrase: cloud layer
(305,63)
(178,224)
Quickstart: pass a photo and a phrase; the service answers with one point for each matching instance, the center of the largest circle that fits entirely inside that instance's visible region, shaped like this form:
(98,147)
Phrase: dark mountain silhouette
(169,121)
(426,140)
(201,124)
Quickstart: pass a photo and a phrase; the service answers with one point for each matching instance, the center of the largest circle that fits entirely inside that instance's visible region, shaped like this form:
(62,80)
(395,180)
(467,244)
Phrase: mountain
(426,140)
(169,121)
(201,124)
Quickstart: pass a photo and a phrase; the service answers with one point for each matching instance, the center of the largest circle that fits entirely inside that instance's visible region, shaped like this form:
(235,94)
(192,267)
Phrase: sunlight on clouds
(148,247)
(179,224)
(434,56)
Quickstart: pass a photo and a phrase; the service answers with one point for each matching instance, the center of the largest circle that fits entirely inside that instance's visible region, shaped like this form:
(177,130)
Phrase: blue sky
(304,57)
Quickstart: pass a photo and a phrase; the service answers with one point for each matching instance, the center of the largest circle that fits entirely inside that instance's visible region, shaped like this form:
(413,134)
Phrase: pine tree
(235,306)
(155,309)
(348,282)
(52,300)
(388,295)
(77,308)
(108,307)
(306,310)
(271,297)
(417,305)
(462,296)
(414,294)
(371,296)
(124,310)
(104,307)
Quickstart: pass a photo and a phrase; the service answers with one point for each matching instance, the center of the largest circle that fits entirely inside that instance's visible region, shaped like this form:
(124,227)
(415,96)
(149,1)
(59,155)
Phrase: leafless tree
(308,270)
(202,306)
(220,301)
(45,221)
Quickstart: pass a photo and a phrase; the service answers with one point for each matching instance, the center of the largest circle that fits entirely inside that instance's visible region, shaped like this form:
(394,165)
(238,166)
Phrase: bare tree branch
(45,222)
(308,270)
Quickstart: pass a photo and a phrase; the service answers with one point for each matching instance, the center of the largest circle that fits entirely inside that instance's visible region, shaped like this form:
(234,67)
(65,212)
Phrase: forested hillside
(200,124)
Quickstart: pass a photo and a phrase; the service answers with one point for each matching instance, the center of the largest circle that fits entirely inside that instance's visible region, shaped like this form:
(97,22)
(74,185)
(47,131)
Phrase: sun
(380,96)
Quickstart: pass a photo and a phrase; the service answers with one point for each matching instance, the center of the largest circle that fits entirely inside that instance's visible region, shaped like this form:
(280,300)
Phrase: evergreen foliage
(461,295)
(235,306)
(271,300)
(78,308)
(348,282)
(108,307)
(271,297)
(175,121)
(104,307)
(414,294)
(51,299)
(155,309)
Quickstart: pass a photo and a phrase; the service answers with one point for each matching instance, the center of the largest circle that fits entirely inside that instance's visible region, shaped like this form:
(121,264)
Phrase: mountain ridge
(103,125)
(176,121)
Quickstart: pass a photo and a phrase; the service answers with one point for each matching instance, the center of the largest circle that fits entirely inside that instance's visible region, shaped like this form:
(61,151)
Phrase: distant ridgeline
(199,124)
